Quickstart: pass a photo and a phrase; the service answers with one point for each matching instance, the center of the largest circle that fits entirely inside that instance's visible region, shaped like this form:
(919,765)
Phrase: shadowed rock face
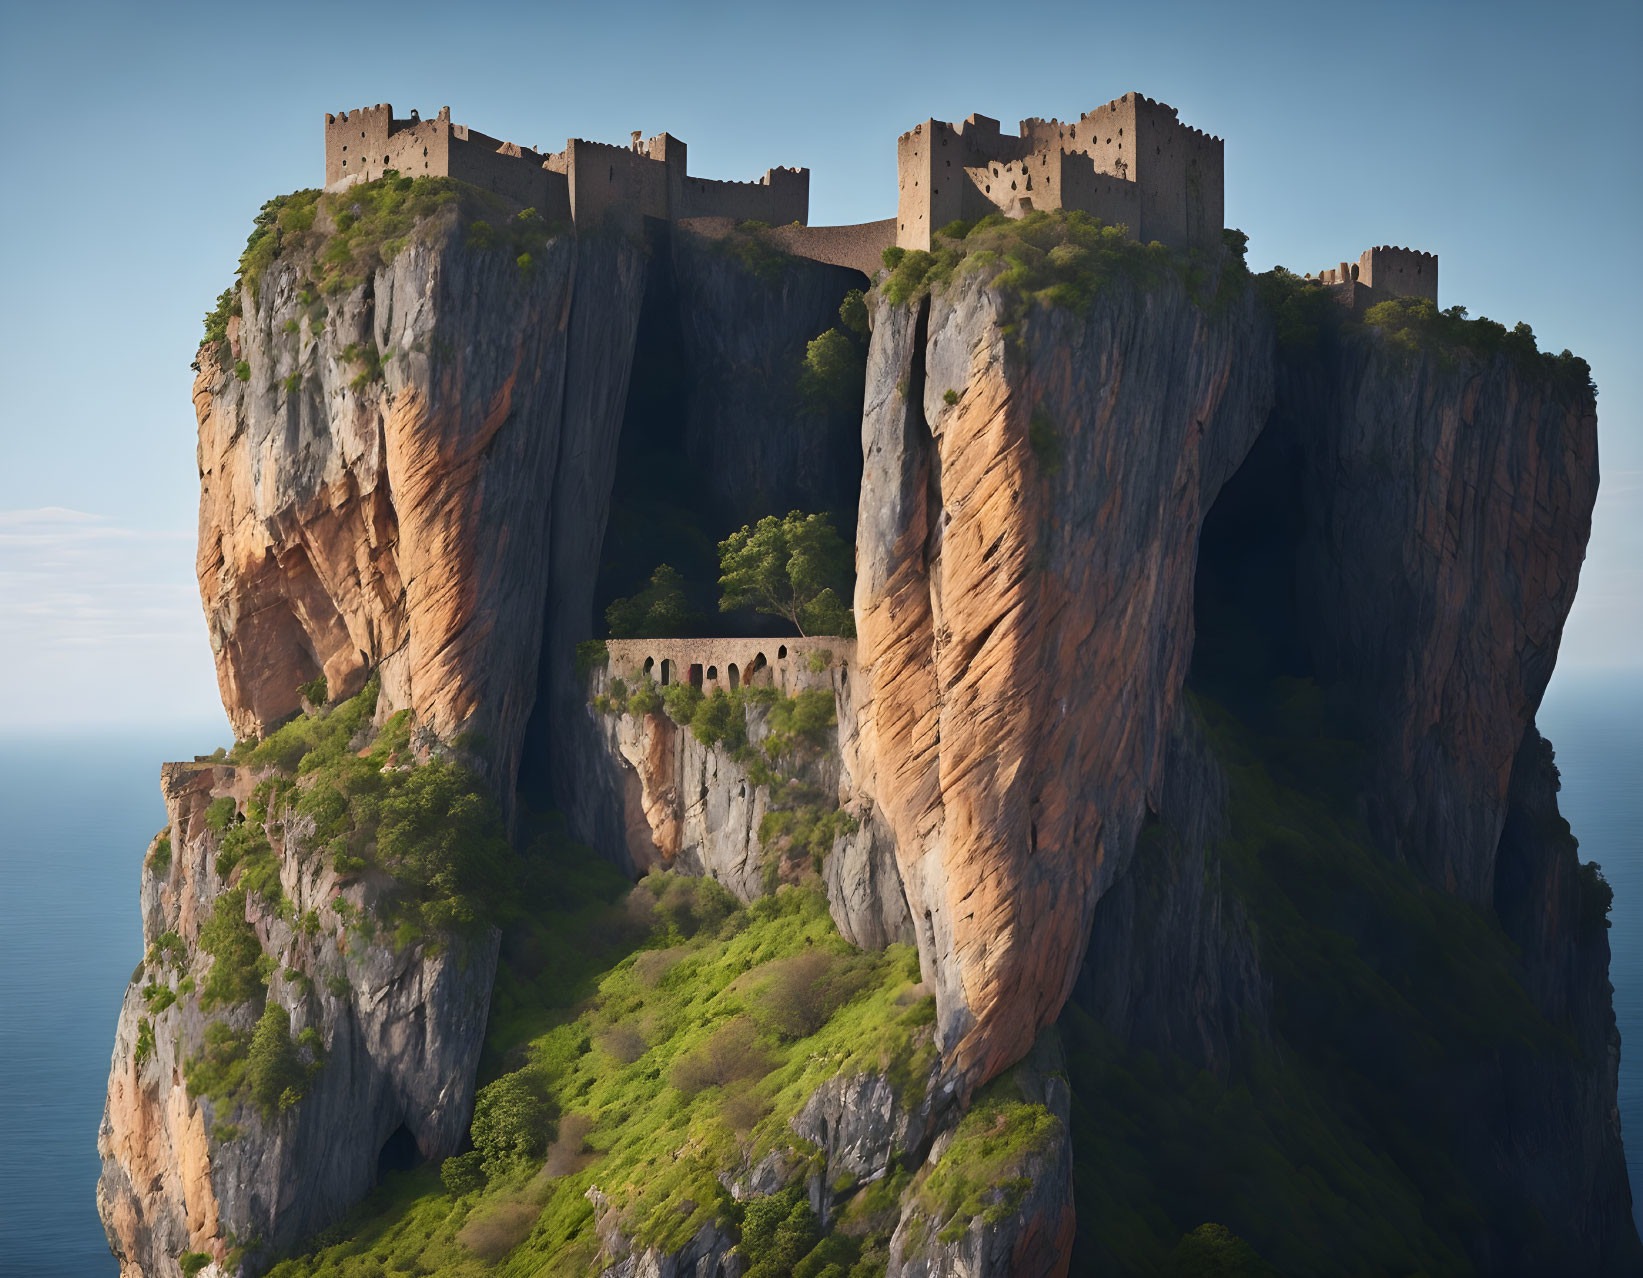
(405,522)
(1448,502)
(1024,606)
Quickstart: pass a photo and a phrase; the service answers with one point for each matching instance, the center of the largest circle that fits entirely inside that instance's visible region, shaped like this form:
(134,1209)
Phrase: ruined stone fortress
(1130,163)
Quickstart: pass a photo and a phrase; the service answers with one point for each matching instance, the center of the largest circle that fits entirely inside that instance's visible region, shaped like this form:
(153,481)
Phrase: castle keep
(580,184)
(1130,162)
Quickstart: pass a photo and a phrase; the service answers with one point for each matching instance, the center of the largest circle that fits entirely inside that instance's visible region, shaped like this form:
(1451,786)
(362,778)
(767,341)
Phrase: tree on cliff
(795,567)
(659,611)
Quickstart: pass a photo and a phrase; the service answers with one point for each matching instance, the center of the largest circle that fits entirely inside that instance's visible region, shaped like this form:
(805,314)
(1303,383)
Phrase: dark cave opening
(1247,609)
(399,1152)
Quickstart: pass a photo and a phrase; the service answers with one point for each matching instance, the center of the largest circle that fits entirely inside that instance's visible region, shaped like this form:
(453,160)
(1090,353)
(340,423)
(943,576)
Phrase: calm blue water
(76,816)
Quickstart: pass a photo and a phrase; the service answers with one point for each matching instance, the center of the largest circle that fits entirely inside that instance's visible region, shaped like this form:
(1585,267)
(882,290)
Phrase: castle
(1131,163)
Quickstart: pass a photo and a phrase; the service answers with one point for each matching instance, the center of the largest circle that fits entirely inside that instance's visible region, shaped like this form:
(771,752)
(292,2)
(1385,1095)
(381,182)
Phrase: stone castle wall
(586,182)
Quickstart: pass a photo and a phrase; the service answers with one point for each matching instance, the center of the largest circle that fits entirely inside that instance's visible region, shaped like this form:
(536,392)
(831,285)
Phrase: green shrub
(220,814)
(314,691)
(1214,1251)
(242,370)
(191,1262)
(853,312)
(216,319)
(239,969)
(834,372)
(1045,442)
(682,701)
(159,860)
(463,1174)
(1415,323)
(646,699)
(1061,259)
(218,1071)
(510,1123)
(658,611)
(145,1040)
(720,719)
(949,397)
(276,1075)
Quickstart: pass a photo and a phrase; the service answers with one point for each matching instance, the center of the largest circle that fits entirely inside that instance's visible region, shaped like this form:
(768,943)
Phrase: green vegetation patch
(645,1041)
(432,826)
(1062,259)
(1414,324)
(346,235)
(159,857)
(983,1172)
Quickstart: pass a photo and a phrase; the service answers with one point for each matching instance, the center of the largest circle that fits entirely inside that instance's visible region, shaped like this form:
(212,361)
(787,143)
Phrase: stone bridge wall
(784,664)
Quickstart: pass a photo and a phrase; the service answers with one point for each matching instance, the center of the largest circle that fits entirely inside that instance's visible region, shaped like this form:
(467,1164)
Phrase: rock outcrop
(1024,605)
(399,1029)
(350,522)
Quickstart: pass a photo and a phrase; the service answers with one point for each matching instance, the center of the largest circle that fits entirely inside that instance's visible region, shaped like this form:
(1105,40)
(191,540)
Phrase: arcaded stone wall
(784,664)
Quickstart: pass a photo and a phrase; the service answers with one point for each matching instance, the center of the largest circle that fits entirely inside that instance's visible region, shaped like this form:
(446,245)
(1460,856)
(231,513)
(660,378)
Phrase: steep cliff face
(376,1059)
(351,521)
(1193,673)
(1024,605)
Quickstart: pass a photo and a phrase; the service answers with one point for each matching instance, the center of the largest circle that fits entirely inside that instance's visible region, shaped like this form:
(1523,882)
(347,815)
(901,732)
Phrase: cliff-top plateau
(996,742)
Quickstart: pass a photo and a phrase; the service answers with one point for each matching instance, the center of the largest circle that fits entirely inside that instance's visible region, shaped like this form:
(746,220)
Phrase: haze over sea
(76,814)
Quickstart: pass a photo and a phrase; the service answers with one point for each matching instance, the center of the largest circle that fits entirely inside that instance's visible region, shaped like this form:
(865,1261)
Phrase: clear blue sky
(1507,138)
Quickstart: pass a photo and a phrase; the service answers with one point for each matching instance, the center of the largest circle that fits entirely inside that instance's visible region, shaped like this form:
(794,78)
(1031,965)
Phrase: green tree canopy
(659,611)
(796,567)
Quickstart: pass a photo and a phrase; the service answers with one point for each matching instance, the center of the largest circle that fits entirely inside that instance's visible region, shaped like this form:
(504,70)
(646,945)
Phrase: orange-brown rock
(1024,604)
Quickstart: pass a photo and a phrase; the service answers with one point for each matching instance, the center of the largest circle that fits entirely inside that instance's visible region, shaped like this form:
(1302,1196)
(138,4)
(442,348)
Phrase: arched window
(713,672)
(735,676)
(667,672)
(649,667)
(696,675)
(781,653)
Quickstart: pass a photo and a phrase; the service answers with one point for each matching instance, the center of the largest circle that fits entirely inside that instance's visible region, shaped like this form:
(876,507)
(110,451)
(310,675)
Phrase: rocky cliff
(1190,720)
(272,1051)
(1030,506)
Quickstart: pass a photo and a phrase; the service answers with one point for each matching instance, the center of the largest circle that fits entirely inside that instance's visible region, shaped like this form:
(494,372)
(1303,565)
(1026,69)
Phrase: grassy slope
(658,1027)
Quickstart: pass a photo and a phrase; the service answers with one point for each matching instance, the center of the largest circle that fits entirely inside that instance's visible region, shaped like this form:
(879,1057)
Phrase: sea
(77,812)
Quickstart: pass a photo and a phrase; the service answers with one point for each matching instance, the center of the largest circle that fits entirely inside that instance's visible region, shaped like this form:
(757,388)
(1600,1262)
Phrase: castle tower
(1131,161)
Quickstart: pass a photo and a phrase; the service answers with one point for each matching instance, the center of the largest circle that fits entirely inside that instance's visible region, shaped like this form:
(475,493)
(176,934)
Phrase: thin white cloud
(99,622)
